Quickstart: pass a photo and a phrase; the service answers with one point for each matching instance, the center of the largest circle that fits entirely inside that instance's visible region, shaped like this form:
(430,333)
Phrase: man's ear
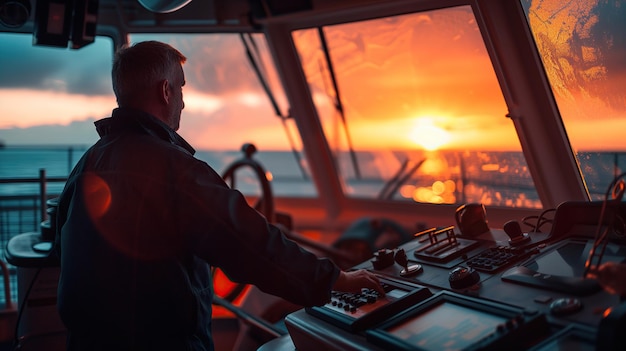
(165,91)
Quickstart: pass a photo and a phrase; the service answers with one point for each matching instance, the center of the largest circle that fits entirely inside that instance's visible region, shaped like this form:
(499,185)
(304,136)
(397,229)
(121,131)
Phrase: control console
(356,312)
(529,292)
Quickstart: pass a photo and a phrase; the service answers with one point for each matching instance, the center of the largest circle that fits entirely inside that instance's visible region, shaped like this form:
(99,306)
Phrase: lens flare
(97,195)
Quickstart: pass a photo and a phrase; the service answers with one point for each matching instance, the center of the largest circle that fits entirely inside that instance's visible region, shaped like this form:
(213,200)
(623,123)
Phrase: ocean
(19,162)
(290,175)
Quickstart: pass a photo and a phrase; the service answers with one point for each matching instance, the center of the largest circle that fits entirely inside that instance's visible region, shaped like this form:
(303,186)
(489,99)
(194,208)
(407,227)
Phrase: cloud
(88,71)
(208,121)
(27,107)
(216,64)
(76,133)
(85,71)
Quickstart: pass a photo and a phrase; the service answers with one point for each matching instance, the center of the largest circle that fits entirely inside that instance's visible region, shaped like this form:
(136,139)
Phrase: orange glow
(427,135)
(97,196)
(583,84)
(406,191)
(490,167)
(438,187)
(221,284)
(200,103)
(434,166)
(439,192)
(401,81)
(450,186)
(403,85)
(28,107)
(427,195)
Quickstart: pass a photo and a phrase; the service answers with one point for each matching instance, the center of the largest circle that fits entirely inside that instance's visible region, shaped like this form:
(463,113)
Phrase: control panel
(356,312)
(502,289)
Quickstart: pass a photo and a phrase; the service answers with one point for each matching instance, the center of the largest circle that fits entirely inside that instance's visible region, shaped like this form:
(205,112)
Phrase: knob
(463,277)
(514,231)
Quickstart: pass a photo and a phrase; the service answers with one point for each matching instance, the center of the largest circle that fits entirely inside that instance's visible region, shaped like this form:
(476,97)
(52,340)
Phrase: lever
(514,231)
(401,259)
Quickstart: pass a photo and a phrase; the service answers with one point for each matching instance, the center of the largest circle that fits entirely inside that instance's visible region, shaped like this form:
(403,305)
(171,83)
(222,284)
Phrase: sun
(429,136)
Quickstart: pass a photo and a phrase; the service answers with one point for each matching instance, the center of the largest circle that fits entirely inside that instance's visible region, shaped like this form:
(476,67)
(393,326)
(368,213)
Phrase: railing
(22,214)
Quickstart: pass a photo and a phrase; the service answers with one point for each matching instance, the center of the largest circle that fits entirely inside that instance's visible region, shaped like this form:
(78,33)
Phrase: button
(564,306)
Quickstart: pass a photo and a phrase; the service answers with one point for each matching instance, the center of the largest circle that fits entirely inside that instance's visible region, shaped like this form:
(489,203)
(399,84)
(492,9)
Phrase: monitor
(567,259)
(571,338)
(450,321)
(561,267)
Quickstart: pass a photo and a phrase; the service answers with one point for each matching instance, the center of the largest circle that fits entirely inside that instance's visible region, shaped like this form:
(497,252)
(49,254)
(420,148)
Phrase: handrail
(31,180)
(42,196)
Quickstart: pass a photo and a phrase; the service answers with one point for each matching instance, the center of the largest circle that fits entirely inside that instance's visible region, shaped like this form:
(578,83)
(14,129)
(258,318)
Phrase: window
(583,48)
(54,95)
(409,120)
(50,98)
(226,107)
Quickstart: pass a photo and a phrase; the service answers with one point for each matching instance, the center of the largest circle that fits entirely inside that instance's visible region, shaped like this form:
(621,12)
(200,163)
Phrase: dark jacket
(139,222)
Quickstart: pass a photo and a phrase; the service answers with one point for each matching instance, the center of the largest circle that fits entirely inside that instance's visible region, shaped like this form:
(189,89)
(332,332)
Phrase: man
(140,220)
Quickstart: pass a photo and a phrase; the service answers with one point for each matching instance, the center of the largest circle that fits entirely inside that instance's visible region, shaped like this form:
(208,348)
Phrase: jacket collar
(128,119)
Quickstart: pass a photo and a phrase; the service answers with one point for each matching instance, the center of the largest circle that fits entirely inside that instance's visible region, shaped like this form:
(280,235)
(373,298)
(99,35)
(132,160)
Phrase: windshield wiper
(402,175)
(338,104)
(253,61)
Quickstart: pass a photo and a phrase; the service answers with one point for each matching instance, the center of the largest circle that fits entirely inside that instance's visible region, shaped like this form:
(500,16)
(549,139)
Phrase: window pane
(226,107)
(50,98)
(424,125)
(583,48)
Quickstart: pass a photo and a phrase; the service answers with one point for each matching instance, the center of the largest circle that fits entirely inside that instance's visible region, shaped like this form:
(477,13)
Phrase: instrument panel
(356,312)
(480,294)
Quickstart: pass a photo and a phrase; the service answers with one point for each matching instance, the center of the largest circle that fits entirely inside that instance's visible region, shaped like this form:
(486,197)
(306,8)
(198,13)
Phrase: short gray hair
(136,68)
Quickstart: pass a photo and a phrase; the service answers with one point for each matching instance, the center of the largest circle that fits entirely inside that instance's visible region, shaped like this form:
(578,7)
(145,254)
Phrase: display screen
(571,343)
(568,342)
(446,326)
(569,259)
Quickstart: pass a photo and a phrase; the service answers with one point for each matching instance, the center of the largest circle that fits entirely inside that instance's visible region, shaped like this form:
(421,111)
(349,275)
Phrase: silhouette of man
(141,220)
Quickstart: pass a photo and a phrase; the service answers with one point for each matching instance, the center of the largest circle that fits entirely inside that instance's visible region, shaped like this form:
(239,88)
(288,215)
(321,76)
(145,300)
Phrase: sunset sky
(43,90)
(407,99)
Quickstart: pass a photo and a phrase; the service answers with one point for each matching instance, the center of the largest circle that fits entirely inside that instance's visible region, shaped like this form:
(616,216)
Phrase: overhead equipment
(63,23)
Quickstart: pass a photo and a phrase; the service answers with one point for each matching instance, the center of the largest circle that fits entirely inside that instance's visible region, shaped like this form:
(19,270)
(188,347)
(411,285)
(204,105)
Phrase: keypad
(494,258)
(361,310)
(349,302)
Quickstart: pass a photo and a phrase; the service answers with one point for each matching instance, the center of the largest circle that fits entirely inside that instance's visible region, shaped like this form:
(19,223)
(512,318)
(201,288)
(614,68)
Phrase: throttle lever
(401,259)
(514,231)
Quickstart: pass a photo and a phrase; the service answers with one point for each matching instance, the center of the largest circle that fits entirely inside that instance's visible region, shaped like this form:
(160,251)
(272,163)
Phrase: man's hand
(355,280)
(612,277)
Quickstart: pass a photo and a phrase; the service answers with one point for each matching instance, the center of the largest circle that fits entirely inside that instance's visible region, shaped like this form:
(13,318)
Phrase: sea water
(288,170)
(28,162)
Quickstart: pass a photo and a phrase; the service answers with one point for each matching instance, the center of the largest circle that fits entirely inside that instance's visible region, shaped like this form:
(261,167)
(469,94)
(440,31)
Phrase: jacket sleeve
(226,232)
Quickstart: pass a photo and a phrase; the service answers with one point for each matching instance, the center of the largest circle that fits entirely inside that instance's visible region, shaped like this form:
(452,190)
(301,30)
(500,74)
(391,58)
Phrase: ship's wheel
(225,288)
